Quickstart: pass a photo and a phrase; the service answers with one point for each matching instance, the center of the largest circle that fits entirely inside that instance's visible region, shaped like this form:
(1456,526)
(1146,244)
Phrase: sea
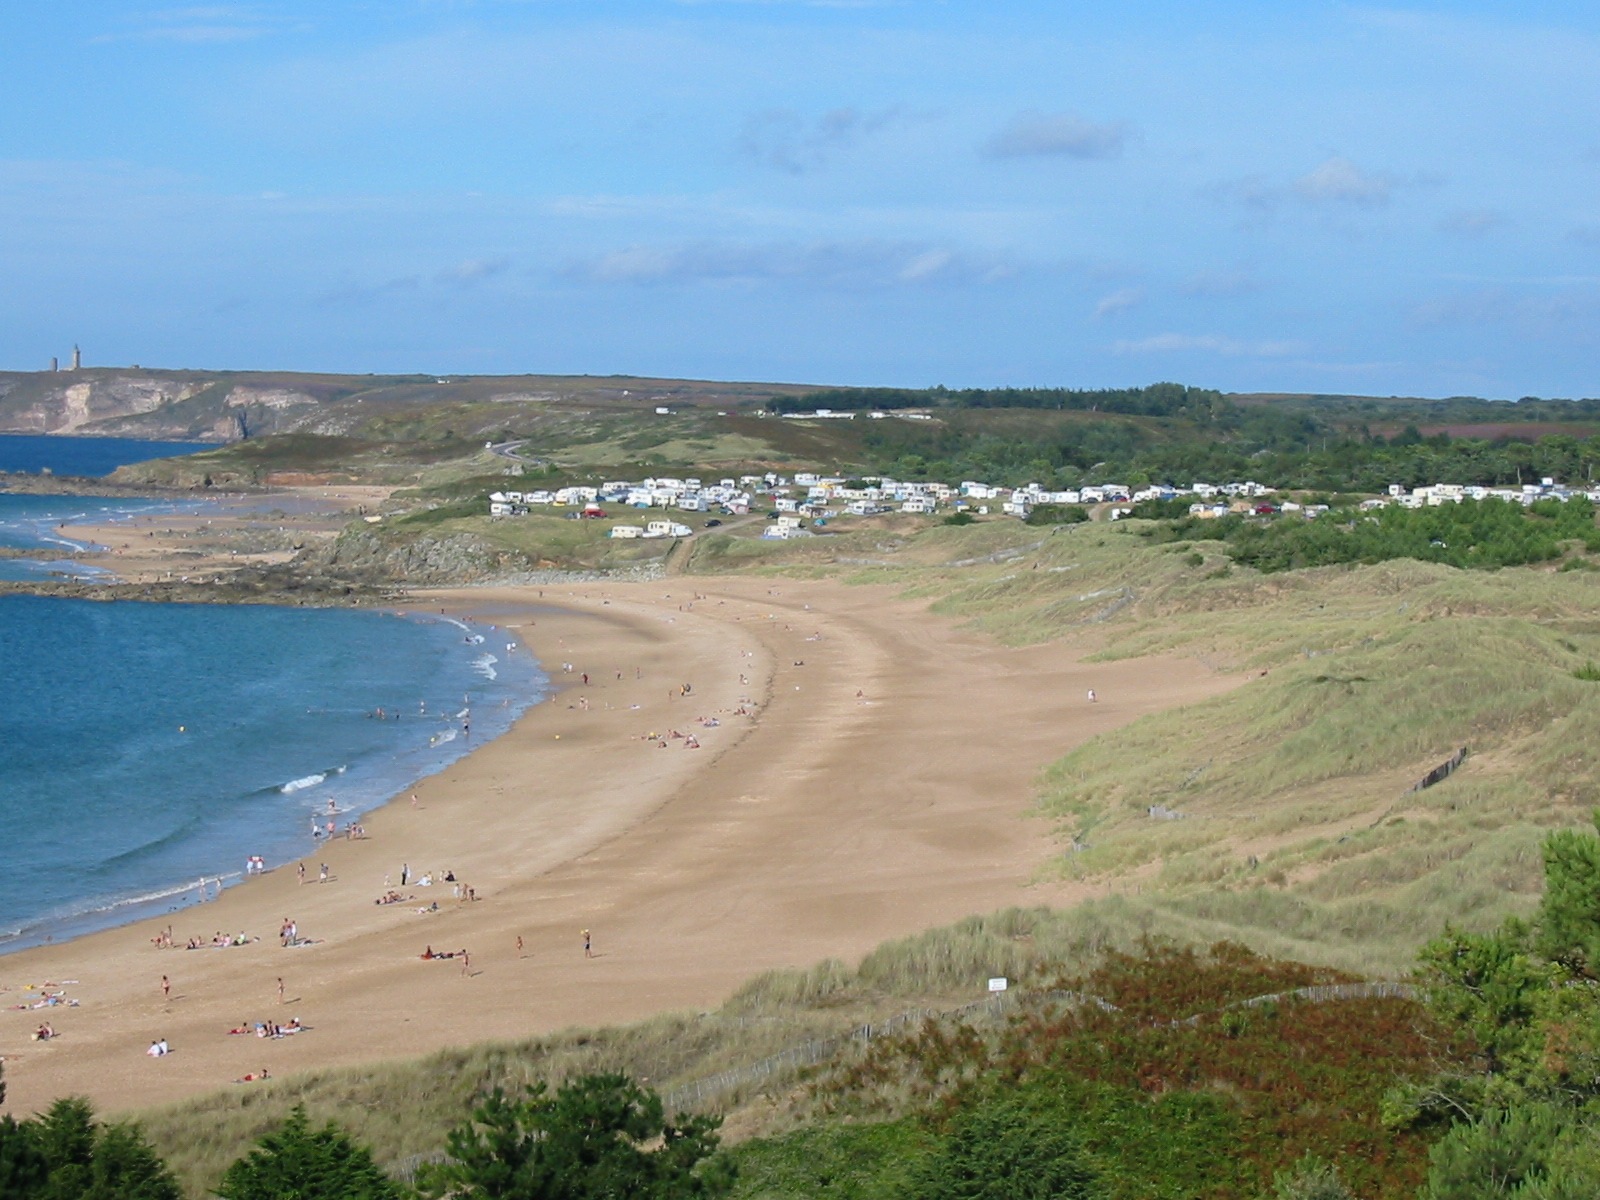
(147,747)
(31,522)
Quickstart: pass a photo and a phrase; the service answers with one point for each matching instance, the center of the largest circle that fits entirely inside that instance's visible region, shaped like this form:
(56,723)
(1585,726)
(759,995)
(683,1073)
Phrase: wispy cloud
(196,25)
(1340,180)
(1333,183)
(1221,283)
(833,264)
(1118,301)
(473,270)
(782,138)
(1568,314)
(1471,222)
(1057,135)
(1210,343)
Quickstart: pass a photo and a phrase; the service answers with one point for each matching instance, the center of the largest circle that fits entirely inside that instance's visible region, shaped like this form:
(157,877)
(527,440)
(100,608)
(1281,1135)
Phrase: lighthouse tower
(77,358)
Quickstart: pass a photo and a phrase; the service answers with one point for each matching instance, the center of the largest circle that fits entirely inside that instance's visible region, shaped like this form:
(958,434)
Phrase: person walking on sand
(322,874)
(588,945)
(519,945)
(280,989)
(166,988)
(1091,696)
(405,873)
(466,961)
(302,872)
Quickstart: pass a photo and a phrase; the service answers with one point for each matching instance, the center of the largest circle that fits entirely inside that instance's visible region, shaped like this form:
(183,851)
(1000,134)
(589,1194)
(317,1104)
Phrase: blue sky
(1252,196)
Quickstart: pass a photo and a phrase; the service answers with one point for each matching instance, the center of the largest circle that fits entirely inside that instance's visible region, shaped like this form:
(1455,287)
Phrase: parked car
(713,523)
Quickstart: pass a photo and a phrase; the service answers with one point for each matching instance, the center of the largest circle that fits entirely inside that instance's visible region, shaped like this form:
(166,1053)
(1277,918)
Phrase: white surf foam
(305,781)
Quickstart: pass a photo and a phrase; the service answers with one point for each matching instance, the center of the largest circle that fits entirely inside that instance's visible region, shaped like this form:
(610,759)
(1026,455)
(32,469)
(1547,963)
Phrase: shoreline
(876,784)
(363,783)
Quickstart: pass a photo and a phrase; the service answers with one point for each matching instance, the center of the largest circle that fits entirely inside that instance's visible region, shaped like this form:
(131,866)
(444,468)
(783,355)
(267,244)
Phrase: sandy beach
(864,770)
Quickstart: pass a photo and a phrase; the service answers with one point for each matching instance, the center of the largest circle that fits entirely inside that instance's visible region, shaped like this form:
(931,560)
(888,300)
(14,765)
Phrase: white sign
(998,985)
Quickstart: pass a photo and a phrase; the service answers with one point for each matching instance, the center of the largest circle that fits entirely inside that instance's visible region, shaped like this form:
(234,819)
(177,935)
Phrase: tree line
(1481,534)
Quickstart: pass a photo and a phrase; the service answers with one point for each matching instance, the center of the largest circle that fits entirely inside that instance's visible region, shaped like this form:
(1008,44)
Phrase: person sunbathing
(253,1076)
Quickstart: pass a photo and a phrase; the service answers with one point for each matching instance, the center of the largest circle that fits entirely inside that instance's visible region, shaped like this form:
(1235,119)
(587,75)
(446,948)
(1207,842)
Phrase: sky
(1246,195)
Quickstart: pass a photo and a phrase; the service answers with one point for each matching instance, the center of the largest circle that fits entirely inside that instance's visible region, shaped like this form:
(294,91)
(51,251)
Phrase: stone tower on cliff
(77,358)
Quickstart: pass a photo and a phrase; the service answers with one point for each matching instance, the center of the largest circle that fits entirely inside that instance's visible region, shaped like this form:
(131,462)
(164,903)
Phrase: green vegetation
(297,1162)
(65,1154)
(598,1137)
(1483,534)
(1058,514)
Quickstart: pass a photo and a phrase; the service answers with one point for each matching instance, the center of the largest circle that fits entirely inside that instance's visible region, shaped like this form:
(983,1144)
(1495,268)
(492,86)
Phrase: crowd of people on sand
(50,996)
(217,941)
(268,1029)
(431,955)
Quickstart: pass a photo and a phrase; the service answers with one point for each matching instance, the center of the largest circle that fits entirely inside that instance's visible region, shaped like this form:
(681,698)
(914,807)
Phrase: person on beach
(166,988)
(302,873)
(588,945)
(280,989)
(405,873)
(322,874)
(1091,696)
(466,961)
(519,945)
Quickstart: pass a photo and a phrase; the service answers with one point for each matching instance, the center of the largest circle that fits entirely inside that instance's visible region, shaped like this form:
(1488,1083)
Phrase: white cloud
(1064,135)
(832,264)
(1118,301)
(1211,343)
(1339,179)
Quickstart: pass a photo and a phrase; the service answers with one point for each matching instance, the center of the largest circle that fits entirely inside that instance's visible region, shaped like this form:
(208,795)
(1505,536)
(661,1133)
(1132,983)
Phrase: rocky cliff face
(178,405)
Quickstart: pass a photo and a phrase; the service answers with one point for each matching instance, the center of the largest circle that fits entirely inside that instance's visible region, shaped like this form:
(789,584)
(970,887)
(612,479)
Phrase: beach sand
(881,786)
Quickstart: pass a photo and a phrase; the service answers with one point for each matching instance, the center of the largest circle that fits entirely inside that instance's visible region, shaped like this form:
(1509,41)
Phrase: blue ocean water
(29,522)
(143,746)
(84,456)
